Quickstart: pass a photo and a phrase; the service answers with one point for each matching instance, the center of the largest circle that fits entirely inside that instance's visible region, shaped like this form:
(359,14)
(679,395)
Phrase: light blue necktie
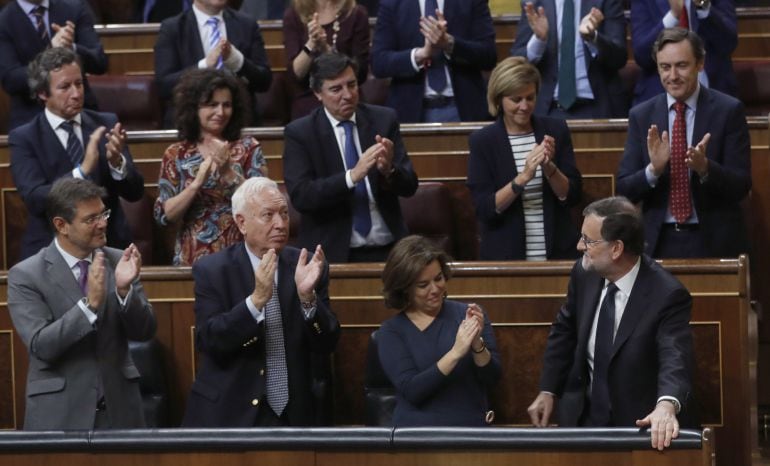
(214,40)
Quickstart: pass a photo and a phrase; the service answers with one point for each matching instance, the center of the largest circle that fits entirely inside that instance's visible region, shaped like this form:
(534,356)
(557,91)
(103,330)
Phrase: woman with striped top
(522,173)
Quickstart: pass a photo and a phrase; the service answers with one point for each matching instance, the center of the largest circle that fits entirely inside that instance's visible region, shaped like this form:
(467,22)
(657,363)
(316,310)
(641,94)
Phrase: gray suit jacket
(67,355)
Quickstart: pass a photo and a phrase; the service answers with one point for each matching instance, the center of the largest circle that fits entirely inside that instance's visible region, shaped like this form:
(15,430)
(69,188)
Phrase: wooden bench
(521,299)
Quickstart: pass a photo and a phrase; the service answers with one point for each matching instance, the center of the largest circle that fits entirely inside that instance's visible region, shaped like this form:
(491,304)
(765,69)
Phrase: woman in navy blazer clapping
(522,173)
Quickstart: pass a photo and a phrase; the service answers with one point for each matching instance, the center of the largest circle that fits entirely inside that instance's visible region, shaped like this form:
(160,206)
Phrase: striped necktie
(214,38)
(42,31)
(74,146)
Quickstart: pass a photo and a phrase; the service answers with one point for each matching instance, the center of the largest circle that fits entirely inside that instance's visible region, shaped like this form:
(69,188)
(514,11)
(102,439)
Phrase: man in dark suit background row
(579,48)
(27,27)
(210,35)
(687,158)
(345,167)
(67,141)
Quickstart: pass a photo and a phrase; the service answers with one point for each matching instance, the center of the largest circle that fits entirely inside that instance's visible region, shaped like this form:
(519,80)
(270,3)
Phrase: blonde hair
(508,77)
(306,8)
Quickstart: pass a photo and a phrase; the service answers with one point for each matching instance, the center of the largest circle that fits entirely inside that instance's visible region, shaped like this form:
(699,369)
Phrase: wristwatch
(517,188)
(701,4)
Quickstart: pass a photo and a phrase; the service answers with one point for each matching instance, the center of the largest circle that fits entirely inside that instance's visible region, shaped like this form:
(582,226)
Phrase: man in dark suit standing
(593,40)
(435,51)
(620,350)
(261,311)
(27,27)
(687,158)
(345,167)
(75,304)
(210,35)
(51,146)
(714,21)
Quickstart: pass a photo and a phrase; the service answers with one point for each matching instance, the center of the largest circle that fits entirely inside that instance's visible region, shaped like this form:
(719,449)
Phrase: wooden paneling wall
(521,299)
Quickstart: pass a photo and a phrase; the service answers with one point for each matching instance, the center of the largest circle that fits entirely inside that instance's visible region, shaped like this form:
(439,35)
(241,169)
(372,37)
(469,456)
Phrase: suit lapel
(366,139)
(88,126)
(412,10)
(286,287)
(588,305)
(55,155)
(635,307)
(243,271)
(550,13)
(233,31)
(23,21)
(506,164)
(332,157)
(192,36)
(60,275)
(702,116)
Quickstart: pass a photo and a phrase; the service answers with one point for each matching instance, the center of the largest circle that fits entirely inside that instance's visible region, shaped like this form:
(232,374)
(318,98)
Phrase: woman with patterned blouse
(199,174)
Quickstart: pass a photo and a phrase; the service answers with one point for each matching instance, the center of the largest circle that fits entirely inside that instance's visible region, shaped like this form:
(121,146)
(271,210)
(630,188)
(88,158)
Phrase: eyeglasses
(591,242)
(90,221)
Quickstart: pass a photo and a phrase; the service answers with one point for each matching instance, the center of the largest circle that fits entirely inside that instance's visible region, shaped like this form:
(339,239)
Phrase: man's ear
(239,222)
(60,225)
(617,249)
(42,96)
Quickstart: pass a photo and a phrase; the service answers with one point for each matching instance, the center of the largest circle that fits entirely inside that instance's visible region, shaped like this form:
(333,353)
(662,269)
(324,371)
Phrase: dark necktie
(42,31)
(277,377)
(362,218)
(437,68)
(679,191)
(74,146)
(567,79)
(83,278)
(684,19)
(605,330)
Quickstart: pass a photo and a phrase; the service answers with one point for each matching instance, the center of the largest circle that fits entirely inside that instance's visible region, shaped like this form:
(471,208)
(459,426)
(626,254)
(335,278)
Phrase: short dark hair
(197,87)
(621,221)
(329,66)
(39,69)
(65,195)
(676,35)
(405,262)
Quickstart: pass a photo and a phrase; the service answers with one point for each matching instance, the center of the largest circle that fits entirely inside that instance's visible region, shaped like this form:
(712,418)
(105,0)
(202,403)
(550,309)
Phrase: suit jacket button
(254,402)
(261,372)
